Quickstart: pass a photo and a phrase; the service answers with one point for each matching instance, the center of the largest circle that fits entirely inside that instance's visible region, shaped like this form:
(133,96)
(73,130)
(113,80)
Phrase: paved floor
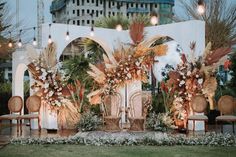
(7,133)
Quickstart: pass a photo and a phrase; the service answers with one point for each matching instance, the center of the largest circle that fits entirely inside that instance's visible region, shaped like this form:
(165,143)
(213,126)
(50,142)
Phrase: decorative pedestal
(199,125)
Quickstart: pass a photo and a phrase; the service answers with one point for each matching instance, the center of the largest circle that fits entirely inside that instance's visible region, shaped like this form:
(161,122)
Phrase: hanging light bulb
(92,32)
(200,7)
(10,44)
(35,42)
(34,39)
(119,27)
(154,18)
(19,43)
(49,36)
(67,36)
(49,39)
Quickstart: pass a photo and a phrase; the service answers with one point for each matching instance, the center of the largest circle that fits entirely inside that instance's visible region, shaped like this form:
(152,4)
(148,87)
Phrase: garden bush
(89,122)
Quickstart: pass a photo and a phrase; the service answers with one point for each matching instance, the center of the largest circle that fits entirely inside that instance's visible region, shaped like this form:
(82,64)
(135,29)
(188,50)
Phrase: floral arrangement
(50,84)
(123,66)
(193,76)
(48,80)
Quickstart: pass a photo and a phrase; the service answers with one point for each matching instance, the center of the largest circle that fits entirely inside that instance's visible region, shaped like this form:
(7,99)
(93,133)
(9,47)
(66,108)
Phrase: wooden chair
(226,106)
(199,105)
(15,104)
(111,112)
(33,104)
(137,115)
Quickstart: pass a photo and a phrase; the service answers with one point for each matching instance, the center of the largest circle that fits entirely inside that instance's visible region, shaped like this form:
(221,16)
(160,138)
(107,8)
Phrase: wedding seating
(111,112)
(199,105)
(33,104)
(226,106)
(15,105)
(137,114)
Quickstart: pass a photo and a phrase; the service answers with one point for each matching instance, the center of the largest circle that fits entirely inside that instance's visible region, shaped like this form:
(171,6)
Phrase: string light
(153,19)
(201,7)
(49,36)
(67,32)
(34,39)
(10,41)
(19,41)
(92,32)
(119,27)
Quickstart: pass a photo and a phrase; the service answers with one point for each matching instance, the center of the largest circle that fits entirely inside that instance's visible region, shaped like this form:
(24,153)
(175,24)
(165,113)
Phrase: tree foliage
(220,20)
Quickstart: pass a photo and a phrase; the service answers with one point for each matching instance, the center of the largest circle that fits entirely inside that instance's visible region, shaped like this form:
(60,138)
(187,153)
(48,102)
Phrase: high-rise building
(85,12)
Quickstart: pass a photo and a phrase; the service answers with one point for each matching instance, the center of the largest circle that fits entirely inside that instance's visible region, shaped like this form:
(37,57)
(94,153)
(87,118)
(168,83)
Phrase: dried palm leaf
(49,55)
(160,50)
(207,51)
(216,55)
(136,32)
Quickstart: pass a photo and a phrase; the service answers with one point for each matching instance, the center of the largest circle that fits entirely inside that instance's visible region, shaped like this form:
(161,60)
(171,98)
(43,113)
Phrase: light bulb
(19,43)
(49,39)
(10,44)
(119,27)
(201,9)
(67,36)
(35,42)
(154,20)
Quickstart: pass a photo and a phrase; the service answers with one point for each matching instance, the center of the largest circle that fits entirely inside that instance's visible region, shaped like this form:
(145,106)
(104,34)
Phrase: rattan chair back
(199,103)
(112,104)
(226,105)
(15,104)
(33,103)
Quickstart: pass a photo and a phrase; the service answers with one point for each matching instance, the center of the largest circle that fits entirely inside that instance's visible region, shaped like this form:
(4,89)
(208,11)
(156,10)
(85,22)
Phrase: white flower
(46,85)
(200,81)
(182,82)
(197,76)
(188,73)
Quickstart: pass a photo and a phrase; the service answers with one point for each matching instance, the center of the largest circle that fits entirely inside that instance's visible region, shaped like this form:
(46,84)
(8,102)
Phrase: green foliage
(142,18)
(232,83)
(95,50)
(113,21)
(76,69)
(5,94)
(158,103)
(89,122)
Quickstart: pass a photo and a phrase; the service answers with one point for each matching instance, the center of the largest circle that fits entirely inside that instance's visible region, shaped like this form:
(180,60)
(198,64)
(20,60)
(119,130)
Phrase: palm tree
(220,19)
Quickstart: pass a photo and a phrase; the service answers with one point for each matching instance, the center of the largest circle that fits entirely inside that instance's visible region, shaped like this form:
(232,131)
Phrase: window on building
(101,1)
(82,12)
(87,1)
(155,5)
(141,5)
(82,2)
(146,5)
(113,3)
(82,22)
(96,2)
(109,13)
(92,11)
(96,13)
(92,21)
(127,14)
(73,1)
(88,22)
(127,5)
(78,13)
(136,5)
(73,11)
(87,11)
(113,13)
(92,1)
(73,22)
(78,2)
(78,22)
(101,12)
(109,4)
(132,4)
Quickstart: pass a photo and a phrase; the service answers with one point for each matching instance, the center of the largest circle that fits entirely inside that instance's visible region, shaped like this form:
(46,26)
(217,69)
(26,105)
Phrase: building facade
(85,12)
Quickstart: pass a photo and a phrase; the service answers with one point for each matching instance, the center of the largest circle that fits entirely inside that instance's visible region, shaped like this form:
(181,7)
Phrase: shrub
(89,122)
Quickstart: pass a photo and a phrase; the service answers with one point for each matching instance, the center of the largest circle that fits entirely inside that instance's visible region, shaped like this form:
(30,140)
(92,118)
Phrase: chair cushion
(226,118)
(197,117)
(26,116)
(9,116)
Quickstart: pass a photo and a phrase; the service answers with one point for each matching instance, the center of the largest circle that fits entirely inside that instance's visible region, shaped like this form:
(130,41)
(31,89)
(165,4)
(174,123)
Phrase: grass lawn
(115,151)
